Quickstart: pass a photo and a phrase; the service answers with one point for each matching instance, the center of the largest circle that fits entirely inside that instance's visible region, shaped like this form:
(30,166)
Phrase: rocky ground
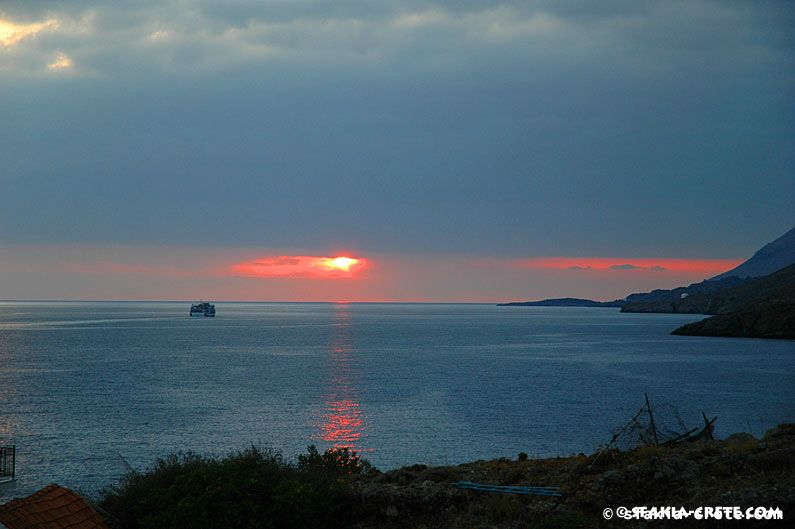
(740,470)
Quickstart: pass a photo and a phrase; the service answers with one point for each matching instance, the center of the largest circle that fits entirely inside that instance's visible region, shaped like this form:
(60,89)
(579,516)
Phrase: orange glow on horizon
(613,264)
(301,266)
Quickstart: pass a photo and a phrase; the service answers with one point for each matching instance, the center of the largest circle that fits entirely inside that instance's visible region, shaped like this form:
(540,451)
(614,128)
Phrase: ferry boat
(202,308)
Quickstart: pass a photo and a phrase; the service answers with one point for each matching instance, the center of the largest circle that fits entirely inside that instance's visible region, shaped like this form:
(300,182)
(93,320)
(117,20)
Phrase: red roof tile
(53,507)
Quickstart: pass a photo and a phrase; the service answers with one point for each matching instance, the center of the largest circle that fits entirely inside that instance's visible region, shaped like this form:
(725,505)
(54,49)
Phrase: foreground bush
(249,489)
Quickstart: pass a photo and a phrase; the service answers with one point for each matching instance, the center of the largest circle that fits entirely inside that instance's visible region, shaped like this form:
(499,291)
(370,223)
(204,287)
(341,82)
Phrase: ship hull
(203,309)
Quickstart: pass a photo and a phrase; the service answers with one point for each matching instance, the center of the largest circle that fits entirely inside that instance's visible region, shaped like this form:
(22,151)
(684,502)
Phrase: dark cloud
(521,128)
(626,267)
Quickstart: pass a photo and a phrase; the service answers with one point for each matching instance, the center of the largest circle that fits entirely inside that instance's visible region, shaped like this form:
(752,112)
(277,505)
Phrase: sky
(456,151)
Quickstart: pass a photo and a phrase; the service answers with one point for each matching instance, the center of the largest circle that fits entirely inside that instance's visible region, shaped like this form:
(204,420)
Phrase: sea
(90,390)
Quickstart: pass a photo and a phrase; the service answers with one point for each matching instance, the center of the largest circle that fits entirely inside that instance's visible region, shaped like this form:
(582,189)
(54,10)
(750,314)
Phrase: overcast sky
(428,132)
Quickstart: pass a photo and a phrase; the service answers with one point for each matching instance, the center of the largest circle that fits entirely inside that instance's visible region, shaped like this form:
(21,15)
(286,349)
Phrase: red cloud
(300,266)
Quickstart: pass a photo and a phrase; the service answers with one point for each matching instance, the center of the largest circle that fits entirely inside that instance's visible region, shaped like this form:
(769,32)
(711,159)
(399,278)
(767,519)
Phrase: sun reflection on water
(344,424)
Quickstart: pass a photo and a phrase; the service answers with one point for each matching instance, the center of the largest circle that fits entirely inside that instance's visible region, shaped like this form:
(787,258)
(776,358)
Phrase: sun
(341,263)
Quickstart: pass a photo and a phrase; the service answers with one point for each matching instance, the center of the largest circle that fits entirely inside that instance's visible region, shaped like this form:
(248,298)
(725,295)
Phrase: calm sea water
(85,387)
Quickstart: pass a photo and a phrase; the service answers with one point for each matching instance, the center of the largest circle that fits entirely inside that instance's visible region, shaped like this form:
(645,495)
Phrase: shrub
(336,462)
(248,489)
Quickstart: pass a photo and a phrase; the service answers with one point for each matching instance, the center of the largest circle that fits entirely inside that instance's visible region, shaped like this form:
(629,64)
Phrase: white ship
(202,308)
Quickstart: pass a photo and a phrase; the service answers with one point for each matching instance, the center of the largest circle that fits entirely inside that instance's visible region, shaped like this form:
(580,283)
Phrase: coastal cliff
(760,308)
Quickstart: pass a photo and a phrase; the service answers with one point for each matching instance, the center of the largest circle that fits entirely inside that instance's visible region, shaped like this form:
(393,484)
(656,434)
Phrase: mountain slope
(700,298)
(771,257)
(696,298)
(762,308)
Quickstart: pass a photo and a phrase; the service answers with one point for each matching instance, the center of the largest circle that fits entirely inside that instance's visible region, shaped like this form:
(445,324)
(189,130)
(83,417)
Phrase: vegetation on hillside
(335,489)
(251,489)
(740,470)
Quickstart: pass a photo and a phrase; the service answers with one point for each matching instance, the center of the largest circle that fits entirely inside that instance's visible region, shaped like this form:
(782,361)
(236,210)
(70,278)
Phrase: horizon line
(240,301)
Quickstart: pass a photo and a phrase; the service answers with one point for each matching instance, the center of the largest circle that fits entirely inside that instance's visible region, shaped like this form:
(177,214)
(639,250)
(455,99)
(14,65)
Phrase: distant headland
(562,302)
(755,299)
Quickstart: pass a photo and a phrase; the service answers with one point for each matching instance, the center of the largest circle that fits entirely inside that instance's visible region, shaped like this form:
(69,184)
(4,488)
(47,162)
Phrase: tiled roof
(53,507)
